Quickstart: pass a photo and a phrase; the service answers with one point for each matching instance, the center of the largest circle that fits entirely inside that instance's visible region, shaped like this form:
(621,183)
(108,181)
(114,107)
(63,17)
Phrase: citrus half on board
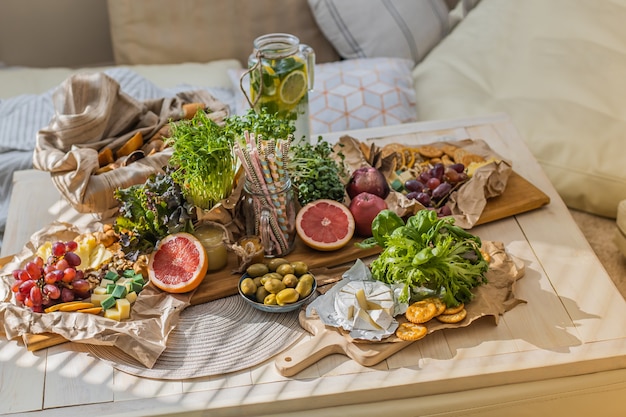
(178,263)
(325,225)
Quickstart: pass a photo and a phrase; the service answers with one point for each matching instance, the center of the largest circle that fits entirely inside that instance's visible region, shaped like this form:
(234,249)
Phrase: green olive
(285,269)
(273,286)
(290,280)
(248,287)
(257,281)
(270,275)
(287,296)
(307,278)
(270,299)
(261,293)
(304,288)
(274,263)
(299,268)
(257,270)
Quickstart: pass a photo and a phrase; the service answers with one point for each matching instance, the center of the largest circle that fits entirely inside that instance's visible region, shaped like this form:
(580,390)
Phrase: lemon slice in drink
(269,79)
(293,87)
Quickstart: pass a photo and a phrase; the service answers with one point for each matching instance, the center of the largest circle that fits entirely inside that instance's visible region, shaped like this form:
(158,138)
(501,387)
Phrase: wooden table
(564,351)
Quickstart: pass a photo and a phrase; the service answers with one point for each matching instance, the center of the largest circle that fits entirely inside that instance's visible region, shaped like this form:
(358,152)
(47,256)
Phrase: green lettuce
(429,253)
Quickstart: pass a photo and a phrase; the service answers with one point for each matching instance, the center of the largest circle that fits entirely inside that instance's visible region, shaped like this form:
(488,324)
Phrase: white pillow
(382,28)
(354,94)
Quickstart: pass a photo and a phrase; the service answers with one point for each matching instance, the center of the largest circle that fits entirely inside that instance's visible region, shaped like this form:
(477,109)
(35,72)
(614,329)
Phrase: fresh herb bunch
(317,172)
(264,124)
(427,253)
(203,160)
(151,211)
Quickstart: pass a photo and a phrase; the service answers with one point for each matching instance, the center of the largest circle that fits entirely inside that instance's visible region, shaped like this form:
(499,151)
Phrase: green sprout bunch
(317,171)
(203,160)
(262,124)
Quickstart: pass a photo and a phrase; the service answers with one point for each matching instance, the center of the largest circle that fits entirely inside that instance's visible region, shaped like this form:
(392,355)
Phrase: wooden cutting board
(519,196)
(326,341)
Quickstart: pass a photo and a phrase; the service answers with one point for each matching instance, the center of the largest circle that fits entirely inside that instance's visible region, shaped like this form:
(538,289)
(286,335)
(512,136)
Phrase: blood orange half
(325,225)
(178,264)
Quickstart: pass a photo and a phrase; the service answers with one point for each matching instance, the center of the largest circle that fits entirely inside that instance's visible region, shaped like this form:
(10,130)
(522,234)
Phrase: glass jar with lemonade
(281,76)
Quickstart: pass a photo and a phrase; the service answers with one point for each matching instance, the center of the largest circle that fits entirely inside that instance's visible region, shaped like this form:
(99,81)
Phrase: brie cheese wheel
(368,305)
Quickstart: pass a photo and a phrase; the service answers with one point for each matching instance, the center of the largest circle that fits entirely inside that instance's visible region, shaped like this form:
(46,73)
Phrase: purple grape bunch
(433,186)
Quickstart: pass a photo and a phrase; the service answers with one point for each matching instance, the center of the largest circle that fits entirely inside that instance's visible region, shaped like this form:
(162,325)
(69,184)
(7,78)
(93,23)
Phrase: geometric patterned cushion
(354,94)
(359,93)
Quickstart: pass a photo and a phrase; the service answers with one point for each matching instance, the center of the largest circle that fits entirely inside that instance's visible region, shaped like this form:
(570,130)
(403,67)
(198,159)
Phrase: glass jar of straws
(269,204)
(271,215)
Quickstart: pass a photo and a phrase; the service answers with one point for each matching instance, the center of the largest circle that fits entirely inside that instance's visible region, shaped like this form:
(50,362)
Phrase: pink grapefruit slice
(325,225)
(178,263)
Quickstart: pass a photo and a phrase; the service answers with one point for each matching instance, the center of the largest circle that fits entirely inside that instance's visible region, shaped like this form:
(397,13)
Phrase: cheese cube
(123,306)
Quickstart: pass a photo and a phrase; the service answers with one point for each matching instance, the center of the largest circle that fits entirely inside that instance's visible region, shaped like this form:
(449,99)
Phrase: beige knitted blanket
(92,113)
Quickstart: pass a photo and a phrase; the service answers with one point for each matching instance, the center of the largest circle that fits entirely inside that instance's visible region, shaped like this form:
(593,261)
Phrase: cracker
(454,310)
(429,151)
(449,150)
(465,157)
(441,306)
(421,311)
(452,318)
(411,331)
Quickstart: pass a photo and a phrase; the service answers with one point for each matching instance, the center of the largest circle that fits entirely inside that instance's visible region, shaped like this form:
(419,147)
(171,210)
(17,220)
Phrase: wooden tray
(519,196)
(326,341)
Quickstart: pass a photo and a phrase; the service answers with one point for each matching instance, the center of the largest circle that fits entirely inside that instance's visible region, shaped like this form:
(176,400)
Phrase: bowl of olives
(278,285)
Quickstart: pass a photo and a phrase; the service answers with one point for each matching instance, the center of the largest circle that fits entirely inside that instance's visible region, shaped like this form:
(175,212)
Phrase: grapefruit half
(178,263)
(325,225)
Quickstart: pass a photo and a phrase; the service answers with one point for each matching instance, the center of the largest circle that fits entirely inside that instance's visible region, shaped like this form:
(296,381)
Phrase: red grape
(69,274)
(71,245)
(39,261)
(62,264)
(437,171)
(451,175)
(414,185)
(52,291)
(444,211)
(424,199)
(441,191)
(67,295)
(35,295)
(80,286)
(458,167)
(25,286)
(50,278)
(58,249)
(33,269)
(24,275)
(72,259)
(433,183)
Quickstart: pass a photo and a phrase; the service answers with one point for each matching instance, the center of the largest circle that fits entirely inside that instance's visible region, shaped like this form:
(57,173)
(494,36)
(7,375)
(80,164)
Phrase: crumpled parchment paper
(467,202)
(153,315)
(492,299)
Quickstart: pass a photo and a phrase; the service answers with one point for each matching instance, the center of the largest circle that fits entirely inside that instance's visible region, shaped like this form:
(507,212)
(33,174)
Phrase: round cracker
(411,331)
(441,306)
(421,311)
(454,310)
(452,318)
